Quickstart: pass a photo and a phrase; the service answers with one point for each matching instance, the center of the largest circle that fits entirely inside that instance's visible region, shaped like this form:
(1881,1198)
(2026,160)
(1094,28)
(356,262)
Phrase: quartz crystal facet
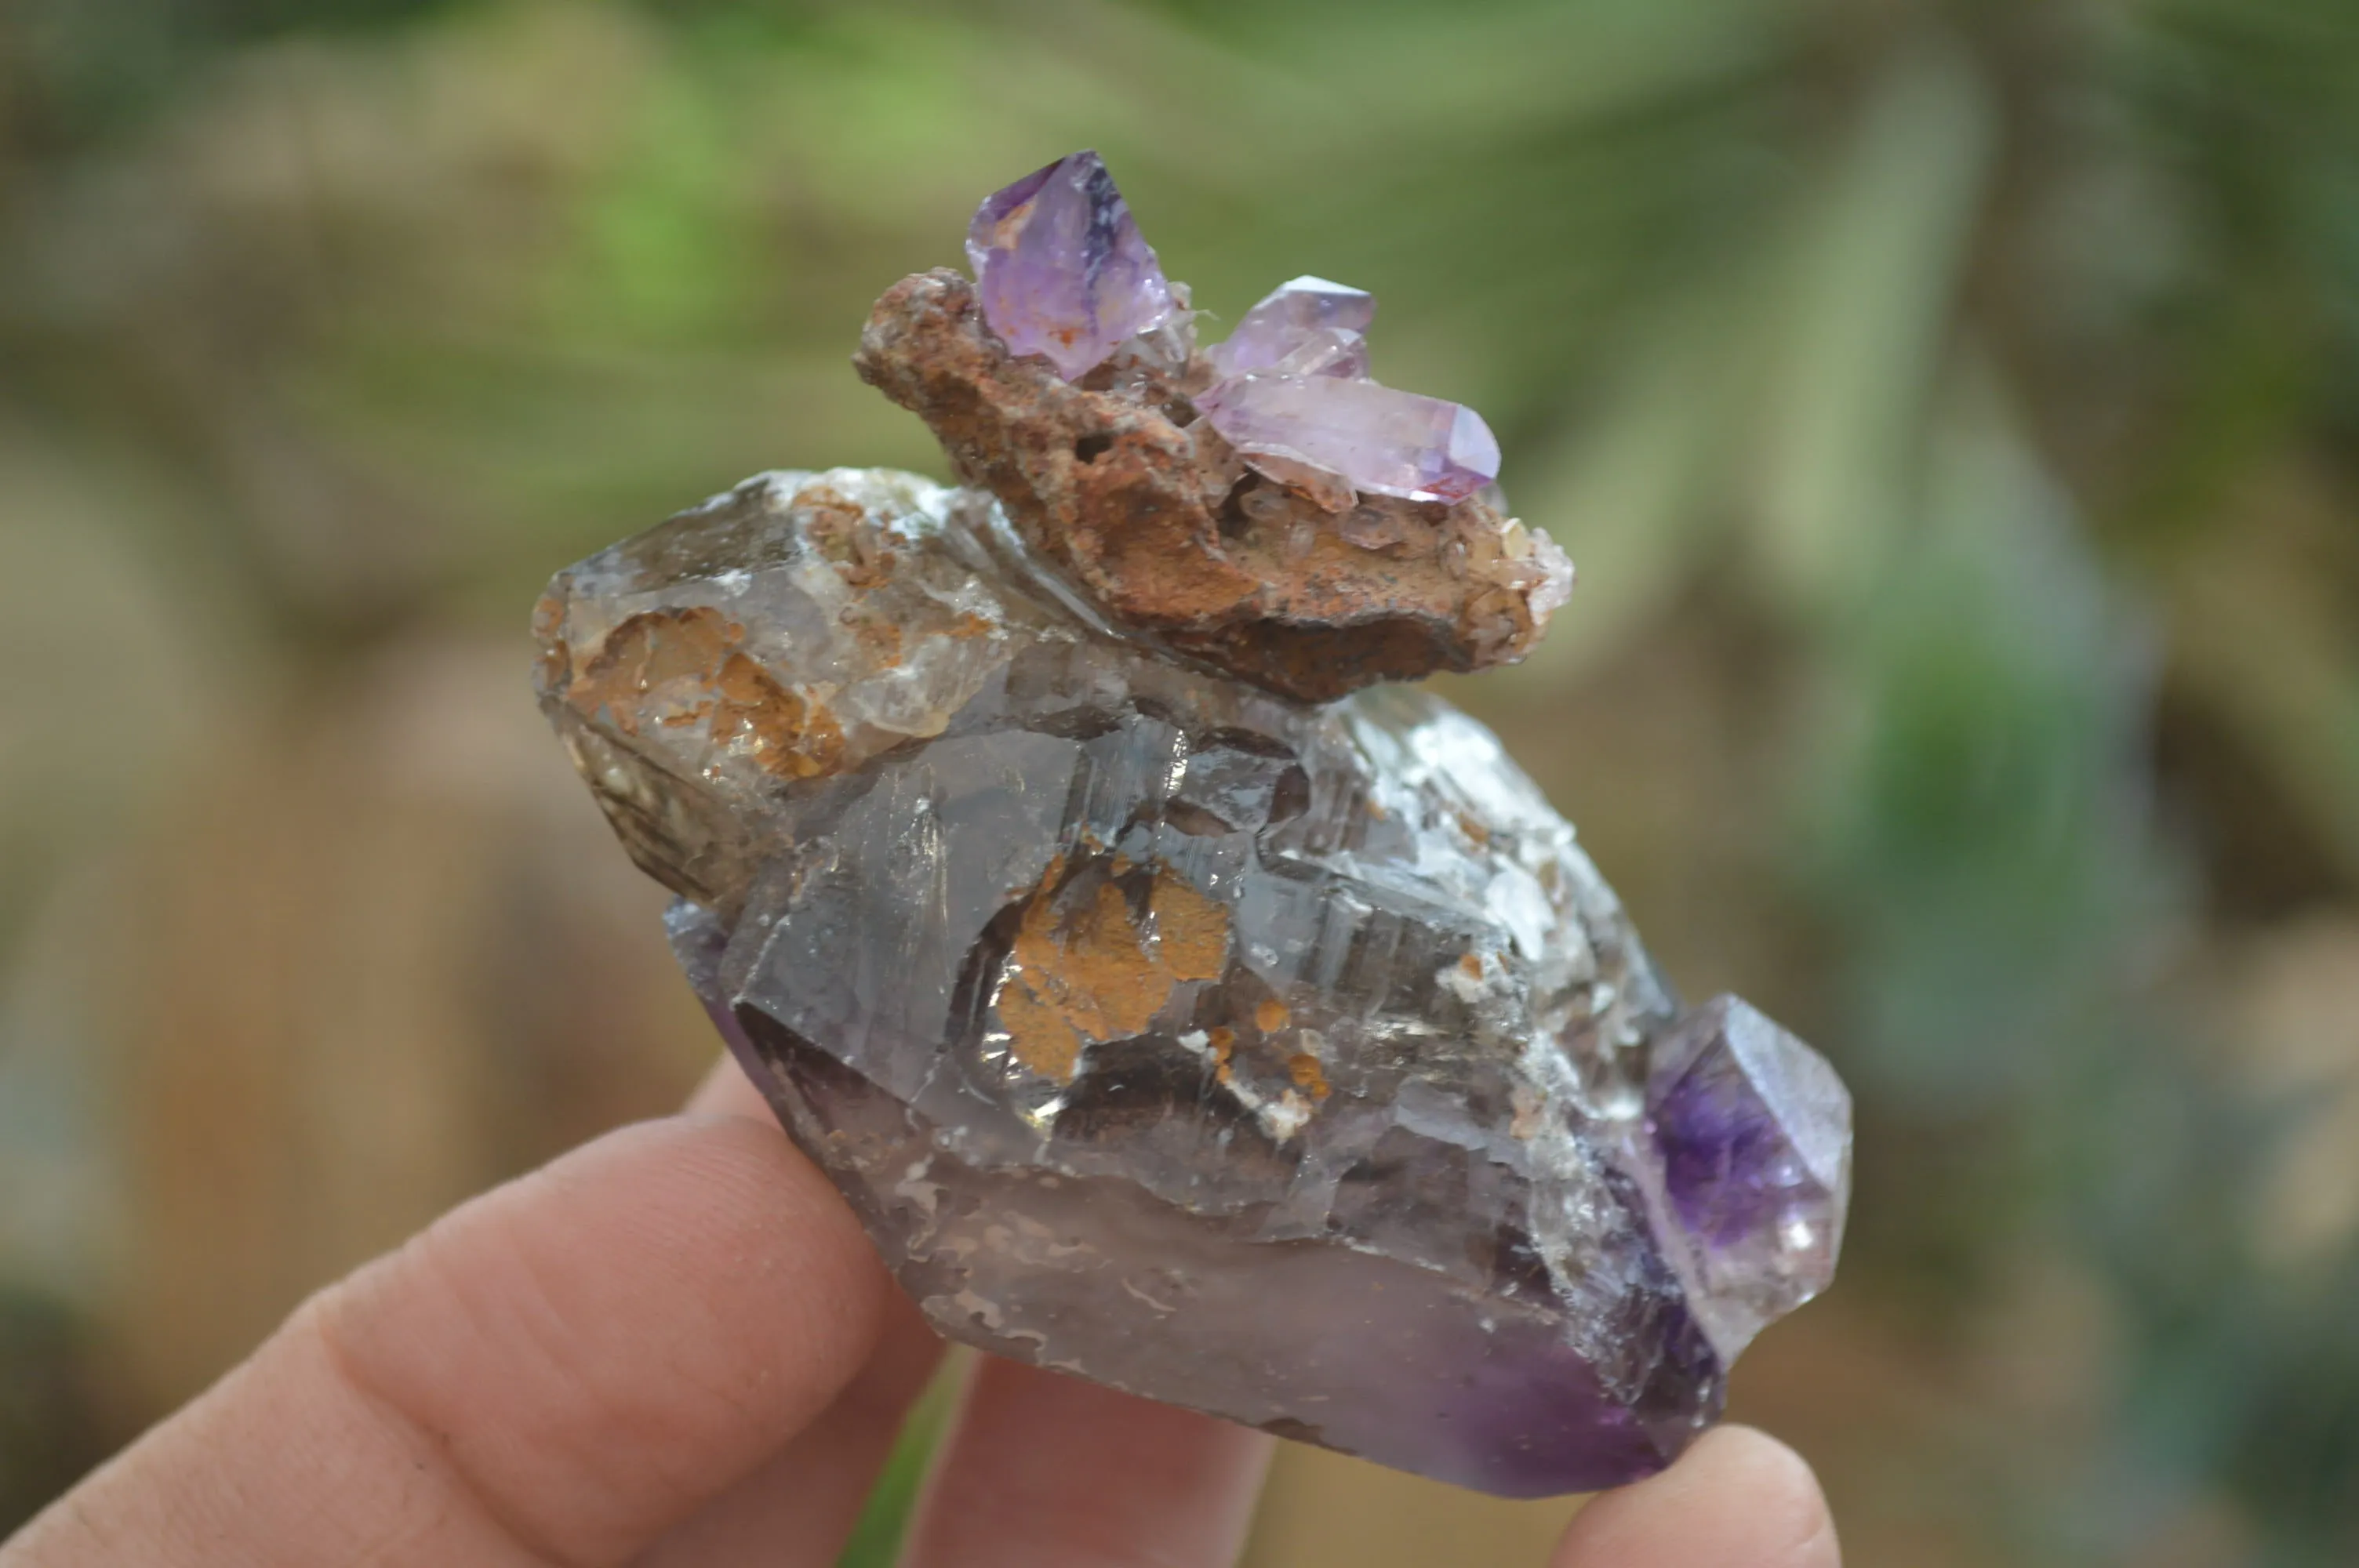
(1178,1005)
(1285,321)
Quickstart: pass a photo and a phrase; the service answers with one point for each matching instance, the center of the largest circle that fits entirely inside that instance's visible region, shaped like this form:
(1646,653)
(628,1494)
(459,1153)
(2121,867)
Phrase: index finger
(553,1373)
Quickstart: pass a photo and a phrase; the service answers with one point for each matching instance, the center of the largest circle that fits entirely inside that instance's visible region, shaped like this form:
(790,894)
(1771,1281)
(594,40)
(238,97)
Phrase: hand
(674,1347)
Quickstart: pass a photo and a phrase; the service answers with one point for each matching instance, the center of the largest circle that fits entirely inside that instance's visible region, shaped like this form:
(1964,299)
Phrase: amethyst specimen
(1286,1059)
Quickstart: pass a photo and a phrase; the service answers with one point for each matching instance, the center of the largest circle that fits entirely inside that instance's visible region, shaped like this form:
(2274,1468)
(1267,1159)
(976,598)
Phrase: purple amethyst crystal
(1292,315)
(1380,440)
(1061,268)
(1753,1132)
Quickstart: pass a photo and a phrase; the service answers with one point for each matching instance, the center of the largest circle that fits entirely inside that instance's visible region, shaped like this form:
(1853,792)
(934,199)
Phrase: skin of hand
(674,1348)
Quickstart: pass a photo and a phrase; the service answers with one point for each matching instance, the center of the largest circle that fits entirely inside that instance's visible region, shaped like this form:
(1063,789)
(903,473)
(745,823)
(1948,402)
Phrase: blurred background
(1953,409)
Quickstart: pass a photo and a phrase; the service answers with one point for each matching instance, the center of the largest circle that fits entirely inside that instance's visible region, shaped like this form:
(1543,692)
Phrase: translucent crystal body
(1062,269)
(1753,1129)
(1287,1061)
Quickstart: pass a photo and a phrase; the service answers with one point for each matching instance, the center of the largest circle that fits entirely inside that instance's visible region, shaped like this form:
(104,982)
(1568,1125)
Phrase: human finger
(798,1507)
(553,1373)
(1046,1471)
(1739,1498)
(725,1090)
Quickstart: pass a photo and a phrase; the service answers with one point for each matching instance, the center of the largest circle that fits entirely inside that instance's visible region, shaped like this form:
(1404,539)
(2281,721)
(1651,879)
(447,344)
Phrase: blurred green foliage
(1992,364)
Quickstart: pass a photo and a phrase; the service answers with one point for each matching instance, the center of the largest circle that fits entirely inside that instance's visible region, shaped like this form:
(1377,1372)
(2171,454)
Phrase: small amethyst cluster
(1062,271)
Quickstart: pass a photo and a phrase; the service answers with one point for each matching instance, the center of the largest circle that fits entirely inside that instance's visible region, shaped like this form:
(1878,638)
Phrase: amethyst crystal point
(1292,314)
(1287,1061)
(1061,268)
(1381,440)
(1753,1131)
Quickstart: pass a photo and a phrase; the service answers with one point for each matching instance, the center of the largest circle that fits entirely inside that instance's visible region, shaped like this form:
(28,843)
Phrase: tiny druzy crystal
(1061,268)
(1178,1005)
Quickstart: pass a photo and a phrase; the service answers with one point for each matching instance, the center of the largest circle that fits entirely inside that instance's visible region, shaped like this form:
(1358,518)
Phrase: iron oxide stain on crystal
(1178,1005)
